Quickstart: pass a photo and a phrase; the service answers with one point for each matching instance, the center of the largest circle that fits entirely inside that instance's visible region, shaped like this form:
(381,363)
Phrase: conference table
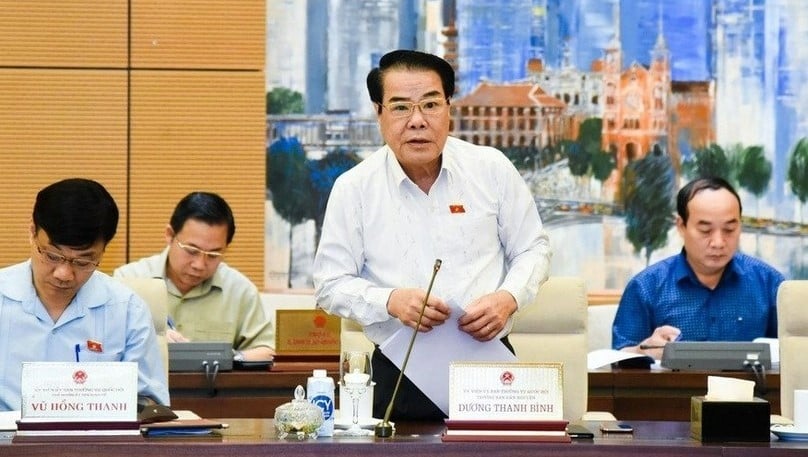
(257,437)
(629,394)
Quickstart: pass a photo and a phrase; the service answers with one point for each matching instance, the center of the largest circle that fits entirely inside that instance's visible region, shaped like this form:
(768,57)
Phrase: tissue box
(714,420)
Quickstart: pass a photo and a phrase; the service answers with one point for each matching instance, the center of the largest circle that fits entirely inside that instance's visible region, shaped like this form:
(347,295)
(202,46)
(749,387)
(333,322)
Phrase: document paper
(432,352)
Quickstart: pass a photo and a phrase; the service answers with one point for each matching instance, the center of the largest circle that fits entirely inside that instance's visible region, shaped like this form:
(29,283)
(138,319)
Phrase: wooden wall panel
(201,34)
(198,130)
(63,33)
(56,124)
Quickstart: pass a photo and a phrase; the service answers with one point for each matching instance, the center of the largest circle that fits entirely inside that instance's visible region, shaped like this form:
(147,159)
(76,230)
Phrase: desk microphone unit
(200,356)
(384,429)
(207,357)
(717,356)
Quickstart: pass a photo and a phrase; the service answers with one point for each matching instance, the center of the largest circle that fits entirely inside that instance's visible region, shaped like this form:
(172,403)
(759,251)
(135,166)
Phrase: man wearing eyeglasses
(208,300)
(56,307)
(426,196)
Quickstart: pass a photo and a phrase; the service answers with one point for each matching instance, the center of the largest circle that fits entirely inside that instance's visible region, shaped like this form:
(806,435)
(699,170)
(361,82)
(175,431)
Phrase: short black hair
(692,188)
(207,207)
(409,60)
(76,212)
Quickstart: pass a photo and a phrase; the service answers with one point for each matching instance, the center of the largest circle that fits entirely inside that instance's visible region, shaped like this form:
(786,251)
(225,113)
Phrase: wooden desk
(237,393)
(256,437)
(660,395)
(628,394)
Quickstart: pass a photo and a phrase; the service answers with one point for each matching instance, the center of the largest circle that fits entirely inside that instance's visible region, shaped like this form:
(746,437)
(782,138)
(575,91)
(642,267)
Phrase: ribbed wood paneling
(201,34)
(56,124)
(198,130)
(63,33)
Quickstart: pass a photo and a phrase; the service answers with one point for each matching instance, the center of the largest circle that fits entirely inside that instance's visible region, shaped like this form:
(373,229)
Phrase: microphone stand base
(384,430)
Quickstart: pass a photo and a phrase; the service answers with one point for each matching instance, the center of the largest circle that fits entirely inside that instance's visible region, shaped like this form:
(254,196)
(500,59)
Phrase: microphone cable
(759,370)
(211,371)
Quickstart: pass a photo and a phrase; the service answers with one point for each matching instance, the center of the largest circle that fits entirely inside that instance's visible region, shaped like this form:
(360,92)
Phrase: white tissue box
(721,420)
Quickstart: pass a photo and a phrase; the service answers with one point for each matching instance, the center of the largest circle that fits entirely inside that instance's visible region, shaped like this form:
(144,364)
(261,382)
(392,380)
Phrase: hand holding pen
(661,336)
(172,334)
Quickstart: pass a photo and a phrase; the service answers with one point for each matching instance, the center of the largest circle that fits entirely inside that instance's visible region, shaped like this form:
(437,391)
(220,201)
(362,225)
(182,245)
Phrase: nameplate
(506,391)
(306,332)
(97,391)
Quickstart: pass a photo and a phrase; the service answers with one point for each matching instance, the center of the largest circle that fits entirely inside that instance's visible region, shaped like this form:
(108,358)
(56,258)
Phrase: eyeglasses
(56,259)
(196,252)
(430,106)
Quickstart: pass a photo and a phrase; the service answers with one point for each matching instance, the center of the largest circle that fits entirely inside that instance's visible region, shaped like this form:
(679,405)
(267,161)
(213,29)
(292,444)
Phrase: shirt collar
(682,270)
(395,170)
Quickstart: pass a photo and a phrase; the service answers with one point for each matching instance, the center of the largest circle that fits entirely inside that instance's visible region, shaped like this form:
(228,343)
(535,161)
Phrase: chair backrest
(352,337)
(153,291)
(554,329)
(792,329)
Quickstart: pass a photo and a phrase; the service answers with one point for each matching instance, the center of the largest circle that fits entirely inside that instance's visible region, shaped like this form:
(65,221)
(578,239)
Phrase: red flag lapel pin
(94,346)
(456,209)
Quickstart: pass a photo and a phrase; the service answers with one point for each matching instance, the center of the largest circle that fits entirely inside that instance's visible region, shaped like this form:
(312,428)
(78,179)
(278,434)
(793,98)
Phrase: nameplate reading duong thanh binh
(506,391)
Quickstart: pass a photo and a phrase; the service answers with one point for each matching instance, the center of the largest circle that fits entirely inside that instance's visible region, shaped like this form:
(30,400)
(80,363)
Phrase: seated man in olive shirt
(207,299)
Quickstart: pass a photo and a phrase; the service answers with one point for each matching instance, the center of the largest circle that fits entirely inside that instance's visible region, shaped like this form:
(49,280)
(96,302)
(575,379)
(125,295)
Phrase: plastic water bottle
(320,392)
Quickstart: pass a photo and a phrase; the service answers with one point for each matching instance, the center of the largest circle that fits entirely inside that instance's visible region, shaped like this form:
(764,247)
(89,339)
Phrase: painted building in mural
(508,115)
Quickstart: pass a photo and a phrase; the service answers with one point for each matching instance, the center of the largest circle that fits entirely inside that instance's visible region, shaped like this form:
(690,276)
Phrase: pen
(659,346)
(78,349)
(170,323)
(651,346)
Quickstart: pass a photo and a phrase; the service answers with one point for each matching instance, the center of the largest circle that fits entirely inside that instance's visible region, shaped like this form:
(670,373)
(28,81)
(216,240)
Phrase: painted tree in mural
(648,189)
(798,181)
(601,163)
(281,100)
(754,172)
(322,175)
(709,161)
(584,155)
(798,173)
(287,178)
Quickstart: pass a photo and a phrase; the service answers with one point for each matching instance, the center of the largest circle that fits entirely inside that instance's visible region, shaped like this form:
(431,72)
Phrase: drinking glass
(355,375)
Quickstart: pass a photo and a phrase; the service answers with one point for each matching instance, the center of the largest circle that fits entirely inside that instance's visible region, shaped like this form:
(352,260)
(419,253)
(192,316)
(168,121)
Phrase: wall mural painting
(606,107)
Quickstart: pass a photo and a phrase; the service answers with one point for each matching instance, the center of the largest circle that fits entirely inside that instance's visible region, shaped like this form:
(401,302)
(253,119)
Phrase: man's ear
(680,225)
(169,234)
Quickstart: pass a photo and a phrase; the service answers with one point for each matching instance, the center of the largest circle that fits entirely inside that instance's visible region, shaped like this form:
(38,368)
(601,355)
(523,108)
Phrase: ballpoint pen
(78,350)
(659,346)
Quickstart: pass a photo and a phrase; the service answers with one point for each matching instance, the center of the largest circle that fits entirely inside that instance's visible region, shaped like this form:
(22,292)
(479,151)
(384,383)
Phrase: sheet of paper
(184,414)
(432,352)
(602,357)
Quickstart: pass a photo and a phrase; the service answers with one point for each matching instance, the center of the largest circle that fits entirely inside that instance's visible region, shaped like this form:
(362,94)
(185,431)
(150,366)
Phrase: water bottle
(320,392)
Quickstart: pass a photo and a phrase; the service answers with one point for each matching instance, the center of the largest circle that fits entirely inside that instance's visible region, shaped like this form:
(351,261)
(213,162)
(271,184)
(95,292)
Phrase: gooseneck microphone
(384,429)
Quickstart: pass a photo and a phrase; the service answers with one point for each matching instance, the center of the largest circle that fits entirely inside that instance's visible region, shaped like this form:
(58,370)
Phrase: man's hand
(486,316)
(174,336)
(405,305)
(654,344)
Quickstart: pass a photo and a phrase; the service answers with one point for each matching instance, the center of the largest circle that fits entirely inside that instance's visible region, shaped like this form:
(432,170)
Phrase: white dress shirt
(382,232)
